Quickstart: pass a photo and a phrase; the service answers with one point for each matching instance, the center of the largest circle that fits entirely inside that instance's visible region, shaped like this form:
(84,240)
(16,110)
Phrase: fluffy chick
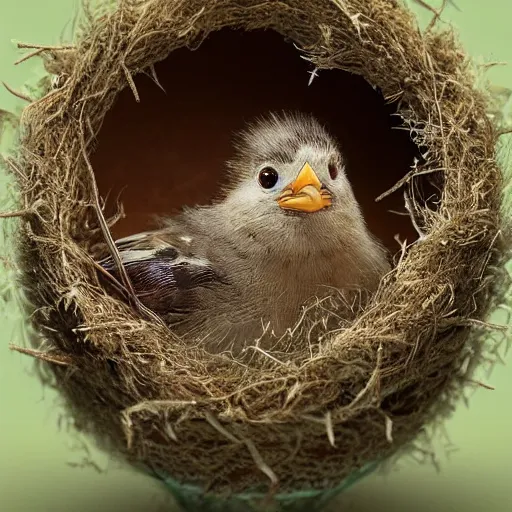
(287,228)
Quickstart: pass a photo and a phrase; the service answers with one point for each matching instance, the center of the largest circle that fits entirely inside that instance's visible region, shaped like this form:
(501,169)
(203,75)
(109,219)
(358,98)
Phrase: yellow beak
(305,193)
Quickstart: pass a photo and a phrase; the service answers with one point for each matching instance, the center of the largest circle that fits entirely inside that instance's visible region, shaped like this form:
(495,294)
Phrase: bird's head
(289,176)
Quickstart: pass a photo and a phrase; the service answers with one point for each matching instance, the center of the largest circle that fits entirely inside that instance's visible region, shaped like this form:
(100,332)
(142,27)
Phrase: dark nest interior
(170,149)
(210,421)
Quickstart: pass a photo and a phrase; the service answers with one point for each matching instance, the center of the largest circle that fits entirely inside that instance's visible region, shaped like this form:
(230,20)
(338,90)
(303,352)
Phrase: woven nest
(365,390)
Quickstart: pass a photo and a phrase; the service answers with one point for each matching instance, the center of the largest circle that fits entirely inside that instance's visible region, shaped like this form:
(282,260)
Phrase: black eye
(333,170)
(268,177)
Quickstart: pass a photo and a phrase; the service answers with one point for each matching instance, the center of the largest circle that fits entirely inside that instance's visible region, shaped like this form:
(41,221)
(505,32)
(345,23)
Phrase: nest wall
(309,421)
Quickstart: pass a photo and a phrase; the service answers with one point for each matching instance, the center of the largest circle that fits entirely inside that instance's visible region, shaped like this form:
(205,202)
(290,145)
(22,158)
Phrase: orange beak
(305,193)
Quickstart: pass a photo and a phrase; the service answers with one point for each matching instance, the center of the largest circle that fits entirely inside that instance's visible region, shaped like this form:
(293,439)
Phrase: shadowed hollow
(169,149)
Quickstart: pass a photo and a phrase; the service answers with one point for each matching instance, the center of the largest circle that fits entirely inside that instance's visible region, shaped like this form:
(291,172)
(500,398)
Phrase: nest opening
(169,150)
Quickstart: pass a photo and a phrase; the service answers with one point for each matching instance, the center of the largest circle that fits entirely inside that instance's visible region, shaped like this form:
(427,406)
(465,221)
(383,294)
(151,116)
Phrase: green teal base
(193,499)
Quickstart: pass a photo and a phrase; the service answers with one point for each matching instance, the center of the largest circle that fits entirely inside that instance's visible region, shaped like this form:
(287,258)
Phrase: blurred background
(42,466)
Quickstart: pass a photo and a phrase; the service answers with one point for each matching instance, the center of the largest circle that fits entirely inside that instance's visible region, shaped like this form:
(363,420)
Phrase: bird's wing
(165,273)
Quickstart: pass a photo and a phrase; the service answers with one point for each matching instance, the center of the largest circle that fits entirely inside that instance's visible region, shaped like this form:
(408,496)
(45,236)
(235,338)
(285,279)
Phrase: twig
(313,74)
(260,463)
(210,418)
(45,47)
(408,177)
(481,384)
(329,428)
(29,56)
(17,94)
(59,359)
(14,168)
(436,12)
(389,428)
(18,213)
(131,82)
(409,208)
(110,241)
(506,131)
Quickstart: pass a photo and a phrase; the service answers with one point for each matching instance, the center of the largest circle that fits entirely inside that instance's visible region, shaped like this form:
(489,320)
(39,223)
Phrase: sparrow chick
(287,229)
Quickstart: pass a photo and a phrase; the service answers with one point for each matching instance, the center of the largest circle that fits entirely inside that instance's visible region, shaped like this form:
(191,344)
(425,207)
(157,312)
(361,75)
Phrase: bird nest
(302,419)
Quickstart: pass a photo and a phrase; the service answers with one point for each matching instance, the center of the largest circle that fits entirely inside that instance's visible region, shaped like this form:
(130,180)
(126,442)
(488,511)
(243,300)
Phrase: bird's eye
(333,170)
(268,177)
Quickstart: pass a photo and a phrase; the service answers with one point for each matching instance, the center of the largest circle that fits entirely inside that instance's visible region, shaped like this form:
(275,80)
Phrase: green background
(38,461)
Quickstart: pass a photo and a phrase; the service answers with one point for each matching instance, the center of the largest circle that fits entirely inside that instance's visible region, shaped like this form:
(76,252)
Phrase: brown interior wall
(169,149)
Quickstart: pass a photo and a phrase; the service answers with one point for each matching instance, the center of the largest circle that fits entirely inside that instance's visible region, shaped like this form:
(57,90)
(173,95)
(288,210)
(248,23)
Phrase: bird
(285,228)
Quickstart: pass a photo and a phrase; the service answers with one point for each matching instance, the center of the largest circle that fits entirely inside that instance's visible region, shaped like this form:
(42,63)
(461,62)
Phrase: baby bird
(287,229)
